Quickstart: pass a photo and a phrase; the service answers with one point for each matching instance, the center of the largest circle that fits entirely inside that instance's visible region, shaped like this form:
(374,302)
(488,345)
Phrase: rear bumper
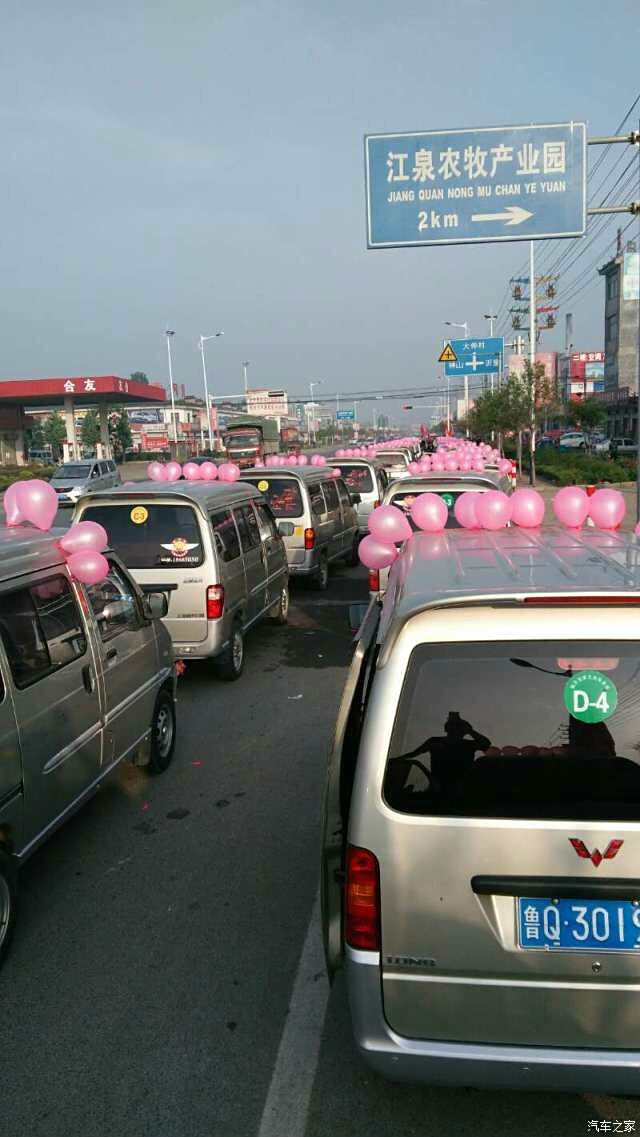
(306,567)
(475,1064)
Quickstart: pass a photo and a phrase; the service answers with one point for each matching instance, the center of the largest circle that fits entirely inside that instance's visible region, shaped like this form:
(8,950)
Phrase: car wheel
(231,662)
(353,559)
(163,733)
(280,612)
(321,579)
(8,902)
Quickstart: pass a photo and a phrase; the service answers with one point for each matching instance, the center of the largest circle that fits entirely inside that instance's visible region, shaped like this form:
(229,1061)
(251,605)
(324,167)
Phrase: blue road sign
(345,416)
(476,356)
(508,183)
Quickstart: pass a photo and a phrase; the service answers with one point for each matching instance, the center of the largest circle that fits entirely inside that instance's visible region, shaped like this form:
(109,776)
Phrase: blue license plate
(578,925)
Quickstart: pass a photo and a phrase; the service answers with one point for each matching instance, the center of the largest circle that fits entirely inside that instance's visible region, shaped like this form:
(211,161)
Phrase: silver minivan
(316,516)
(395,462)
(481,867)
(365,477)
(86,680)
(73,479)
(214,547)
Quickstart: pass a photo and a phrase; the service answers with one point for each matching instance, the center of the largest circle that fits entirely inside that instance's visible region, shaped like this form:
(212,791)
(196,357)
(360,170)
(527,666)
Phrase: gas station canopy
(84,391)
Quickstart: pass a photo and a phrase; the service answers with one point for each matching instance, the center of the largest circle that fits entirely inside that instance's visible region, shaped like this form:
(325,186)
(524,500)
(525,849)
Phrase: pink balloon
(415,468)
(157,472)
(465,511)
(174,471)
(504,466)
(376,554)
(336,473)
(89,567)
(37,501)
(493,509)
(224,472)
(322,461)
(340,453)
(11,507)
(302,460)
(437,463)
(527,508)
(208,471)
(465,463)
(429,513)
(389,524)
(192,471)
(607,508)
(478,465)
(571,506)
(637,530)
(234,472)
(84,536)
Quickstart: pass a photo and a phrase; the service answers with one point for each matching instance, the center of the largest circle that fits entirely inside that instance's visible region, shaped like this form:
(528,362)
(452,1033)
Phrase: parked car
(484,774)
(73,479)
(448,486)
(86,681)
(316,516)
(573,440)
(214,547)
(623,447)
(599,444)
(366,477)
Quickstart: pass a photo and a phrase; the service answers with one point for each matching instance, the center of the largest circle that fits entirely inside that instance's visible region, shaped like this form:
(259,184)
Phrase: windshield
(149,535)
(358,478)
(242,438)
(404,501)
(73,471)
(282,494)
(392,458)
(529,730)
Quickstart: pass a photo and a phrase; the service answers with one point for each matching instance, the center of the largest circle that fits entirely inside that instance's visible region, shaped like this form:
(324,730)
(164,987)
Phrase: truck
(247,439)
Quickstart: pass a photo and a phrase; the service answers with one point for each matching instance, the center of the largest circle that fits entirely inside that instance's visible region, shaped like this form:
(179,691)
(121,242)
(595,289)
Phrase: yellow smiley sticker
(139,514)
(262,486)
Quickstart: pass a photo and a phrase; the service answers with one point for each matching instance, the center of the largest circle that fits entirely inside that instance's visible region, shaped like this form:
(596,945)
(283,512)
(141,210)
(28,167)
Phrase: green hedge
(568,469)
(9,474)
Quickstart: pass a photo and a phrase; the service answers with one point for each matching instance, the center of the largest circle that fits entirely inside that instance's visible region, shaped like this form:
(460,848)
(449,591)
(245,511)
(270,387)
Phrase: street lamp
(202,341)
(315,383)
(169,334)
(245,365)
(465,326)
(490,318)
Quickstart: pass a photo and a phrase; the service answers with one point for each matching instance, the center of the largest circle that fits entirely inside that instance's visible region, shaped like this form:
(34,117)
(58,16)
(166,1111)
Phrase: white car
(573,440)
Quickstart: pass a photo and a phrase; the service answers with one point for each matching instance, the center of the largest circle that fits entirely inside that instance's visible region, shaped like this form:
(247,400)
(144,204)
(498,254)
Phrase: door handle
(87,678)
(111,654)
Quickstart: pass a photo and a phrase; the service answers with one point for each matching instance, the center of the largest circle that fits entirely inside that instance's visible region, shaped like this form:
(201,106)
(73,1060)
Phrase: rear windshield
(150,536)
(518,730)
(405,500)
(73,471)
(282,494)
(391,458)
(358,478)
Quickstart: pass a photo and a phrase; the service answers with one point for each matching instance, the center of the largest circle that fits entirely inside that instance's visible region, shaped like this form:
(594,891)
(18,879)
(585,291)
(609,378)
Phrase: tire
(8,903)
(353,560)
(230,663)
(280,613)
(163,733)
(321,578)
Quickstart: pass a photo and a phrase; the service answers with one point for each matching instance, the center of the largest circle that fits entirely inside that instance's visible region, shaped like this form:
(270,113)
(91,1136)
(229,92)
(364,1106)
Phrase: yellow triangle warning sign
(447,355)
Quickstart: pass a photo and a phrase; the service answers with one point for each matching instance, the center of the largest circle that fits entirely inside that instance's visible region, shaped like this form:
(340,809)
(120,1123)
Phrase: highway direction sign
(476,356)
(345,416)
(508,183)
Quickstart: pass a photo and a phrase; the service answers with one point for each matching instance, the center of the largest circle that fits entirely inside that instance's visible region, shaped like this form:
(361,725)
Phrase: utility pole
(245,366)
(532,361)
(169,334)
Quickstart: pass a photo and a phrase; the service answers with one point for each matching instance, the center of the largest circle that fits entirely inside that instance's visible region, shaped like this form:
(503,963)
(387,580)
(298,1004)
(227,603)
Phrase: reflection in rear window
(358,478)
(484,730)
(282,494)
(145,535)
(404,501)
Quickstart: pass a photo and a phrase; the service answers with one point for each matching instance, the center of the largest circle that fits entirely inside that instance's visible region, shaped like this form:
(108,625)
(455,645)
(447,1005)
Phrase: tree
(587,414)
(139,377)
(90,429)
(54,431)
(120,431)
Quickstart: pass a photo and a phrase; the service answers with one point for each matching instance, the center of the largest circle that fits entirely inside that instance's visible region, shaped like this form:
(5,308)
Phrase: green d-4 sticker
(447,499)
(590,697)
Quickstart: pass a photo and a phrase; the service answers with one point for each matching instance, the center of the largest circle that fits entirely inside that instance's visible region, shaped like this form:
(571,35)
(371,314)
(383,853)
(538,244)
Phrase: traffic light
(407,406)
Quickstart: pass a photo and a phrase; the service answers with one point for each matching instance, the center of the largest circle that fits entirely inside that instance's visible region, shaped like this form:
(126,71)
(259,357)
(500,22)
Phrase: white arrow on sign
(513,215)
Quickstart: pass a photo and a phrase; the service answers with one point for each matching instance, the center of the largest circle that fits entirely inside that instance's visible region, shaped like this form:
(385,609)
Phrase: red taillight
(309,538)
(362,900)
(215,601)
(374,580)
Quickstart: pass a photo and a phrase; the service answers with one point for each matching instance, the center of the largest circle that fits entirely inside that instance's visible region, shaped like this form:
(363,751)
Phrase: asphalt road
(154,987)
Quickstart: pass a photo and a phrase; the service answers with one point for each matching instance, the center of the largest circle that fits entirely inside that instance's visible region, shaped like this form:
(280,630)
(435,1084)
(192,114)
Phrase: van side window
(343,492)
(42,629)
(317,501)
(95,471)
(247,523)
(225,535)
(114,605)
(266,520)
(331,495)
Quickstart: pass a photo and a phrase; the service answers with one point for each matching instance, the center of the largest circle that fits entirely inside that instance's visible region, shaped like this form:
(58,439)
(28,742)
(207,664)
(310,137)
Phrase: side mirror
(156,605)
(286,528)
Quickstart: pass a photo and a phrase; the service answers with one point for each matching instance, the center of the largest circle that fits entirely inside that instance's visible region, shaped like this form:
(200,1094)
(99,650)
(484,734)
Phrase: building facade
(622,299)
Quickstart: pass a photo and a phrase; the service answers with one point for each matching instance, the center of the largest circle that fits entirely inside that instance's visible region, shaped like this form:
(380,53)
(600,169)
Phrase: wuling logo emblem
(596,857)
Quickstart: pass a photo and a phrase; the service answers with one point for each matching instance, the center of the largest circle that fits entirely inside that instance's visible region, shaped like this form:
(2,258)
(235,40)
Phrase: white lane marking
(287,1105)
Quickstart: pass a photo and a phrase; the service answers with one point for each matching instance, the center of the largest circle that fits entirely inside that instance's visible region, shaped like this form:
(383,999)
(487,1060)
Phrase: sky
(200,166)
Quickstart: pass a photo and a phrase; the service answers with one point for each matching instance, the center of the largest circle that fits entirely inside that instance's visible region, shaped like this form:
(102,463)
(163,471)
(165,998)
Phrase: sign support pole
(638,391)
(532,362)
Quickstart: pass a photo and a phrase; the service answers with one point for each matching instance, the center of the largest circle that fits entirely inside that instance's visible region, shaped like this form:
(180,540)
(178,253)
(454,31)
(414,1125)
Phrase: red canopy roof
(85,391)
